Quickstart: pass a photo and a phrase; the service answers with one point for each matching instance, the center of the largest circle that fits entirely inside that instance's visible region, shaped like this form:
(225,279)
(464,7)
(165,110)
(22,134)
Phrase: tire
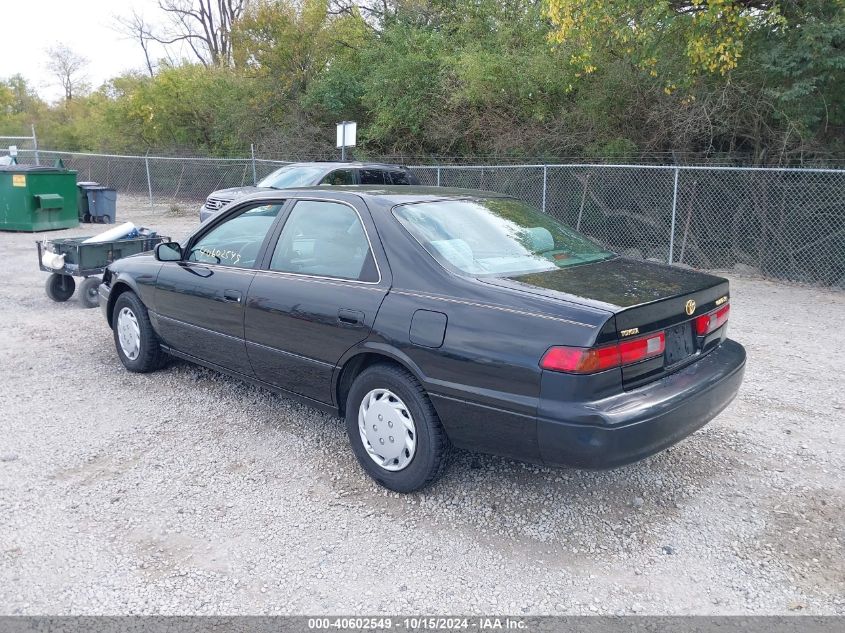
(60,287)
(130,318)
(86,218)
(106,219)
(431,445)
(89,294)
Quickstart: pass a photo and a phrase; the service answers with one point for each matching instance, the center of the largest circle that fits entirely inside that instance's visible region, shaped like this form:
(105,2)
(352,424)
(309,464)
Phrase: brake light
(712,321)
(638,349)
(589,360)
(580,360)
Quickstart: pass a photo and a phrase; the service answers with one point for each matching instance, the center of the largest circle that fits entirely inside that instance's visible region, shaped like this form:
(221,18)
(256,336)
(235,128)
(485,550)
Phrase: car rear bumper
(635,424)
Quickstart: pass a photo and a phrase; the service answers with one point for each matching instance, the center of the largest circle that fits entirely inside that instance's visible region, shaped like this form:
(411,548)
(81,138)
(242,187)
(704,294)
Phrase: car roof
(349,163)
(388,195)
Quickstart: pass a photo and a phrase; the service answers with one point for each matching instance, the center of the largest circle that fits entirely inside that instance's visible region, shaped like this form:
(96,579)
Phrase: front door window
(236,241)
(339,177)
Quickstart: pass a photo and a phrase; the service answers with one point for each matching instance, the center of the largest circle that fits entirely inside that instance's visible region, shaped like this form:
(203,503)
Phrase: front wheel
(136,342)
(394,430)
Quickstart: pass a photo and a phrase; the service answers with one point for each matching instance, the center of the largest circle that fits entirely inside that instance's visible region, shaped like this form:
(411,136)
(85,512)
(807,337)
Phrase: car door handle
(354,318)
(233,296)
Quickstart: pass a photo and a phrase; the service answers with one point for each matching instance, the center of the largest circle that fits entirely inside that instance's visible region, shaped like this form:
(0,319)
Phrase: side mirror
(168,252)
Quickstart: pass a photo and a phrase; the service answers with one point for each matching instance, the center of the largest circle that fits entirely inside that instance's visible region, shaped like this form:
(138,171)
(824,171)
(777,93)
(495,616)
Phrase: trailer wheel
(60,287)
(89,293)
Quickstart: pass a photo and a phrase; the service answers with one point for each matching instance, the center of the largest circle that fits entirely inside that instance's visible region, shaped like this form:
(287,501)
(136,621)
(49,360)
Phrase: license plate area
(680,343)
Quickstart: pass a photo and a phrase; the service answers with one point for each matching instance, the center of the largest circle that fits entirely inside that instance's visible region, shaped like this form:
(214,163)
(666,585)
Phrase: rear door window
(373,177)
(324,239)
(399,178)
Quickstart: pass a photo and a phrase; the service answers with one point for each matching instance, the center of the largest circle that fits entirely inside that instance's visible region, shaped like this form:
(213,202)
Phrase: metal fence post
(252,151)
(149,182)
(438,175)
(35,145)
(583,202)
(545,180)
(674,212)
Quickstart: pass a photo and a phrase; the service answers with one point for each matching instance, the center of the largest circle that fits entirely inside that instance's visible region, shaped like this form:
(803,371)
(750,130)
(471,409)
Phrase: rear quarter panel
(485,379)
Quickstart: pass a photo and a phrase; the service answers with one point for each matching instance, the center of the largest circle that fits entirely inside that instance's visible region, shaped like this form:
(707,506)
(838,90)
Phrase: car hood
(614,284)
(232,193)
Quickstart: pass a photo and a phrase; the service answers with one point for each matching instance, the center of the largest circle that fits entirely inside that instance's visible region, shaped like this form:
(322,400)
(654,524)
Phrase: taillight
(638,349)
(580,360)
(712,321)
(589,360)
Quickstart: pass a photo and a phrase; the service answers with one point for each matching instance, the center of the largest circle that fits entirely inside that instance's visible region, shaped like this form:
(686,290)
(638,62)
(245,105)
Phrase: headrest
(457,252)
(539,239)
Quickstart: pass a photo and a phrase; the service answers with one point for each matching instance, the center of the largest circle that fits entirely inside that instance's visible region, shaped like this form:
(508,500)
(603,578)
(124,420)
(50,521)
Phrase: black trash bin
(82,199)
(102,204)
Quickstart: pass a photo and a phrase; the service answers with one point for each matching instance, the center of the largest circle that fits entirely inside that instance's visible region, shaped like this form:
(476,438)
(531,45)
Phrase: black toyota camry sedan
(431,318)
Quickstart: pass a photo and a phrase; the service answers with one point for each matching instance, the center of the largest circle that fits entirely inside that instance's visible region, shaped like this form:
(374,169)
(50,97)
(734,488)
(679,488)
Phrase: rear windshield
(292,176)
(497,236)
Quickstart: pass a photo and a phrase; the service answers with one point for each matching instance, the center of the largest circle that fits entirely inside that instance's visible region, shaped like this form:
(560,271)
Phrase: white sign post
(346,135)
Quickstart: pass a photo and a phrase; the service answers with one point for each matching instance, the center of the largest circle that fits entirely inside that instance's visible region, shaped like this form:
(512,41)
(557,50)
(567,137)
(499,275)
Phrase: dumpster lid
(31,168)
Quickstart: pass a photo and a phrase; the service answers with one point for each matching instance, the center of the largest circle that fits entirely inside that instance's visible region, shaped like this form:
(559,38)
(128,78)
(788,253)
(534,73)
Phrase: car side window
(372,177)
(399,178)
(339,177)
(237,241)
(324,239)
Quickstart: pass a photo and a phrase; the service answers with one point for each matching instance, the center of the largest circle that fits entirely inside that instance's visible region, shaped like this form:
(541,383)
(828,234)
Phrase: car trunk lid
(644,297)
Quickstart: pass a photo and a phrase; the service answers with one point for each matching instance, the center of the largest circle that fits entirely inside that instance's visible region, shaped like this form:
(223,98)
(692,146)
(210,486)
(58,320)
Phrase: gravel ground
(187,492)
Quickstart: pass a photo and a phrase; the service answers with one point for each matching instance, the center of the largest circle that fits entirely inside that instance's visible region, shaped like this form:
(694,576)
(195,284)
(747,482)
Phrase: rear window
(495,236)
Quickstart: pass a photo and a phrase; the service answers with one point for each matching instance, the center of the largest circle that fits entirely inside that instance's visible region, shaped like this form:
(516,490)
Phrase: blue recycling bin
(102,204)
(82,199)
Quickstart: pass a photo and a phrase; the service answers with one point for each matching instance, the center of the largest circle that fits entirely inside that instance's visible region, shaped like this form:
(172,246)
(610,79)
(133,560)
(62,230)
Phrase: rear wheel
(394,429)
(137,343)
(89,293)
(60,287)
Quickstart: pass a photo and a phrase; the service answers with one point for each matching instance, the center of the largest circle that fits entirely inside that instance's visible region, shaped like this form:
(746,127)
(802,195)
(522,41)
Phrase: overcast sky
(27,27)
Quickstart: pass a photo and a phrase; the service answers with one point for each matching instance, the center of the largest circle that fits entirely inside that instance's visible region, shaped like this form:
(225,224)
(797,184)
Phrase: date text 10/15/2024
(418,623)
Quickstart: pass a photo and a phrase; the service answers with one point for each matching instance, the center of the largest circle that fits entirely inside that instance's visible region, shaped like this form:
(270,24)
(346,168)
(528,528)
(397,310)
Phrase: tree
(136,27)
(290,43)
(711,33)
(528,80)
(18,96)
(205,26)
(68,68)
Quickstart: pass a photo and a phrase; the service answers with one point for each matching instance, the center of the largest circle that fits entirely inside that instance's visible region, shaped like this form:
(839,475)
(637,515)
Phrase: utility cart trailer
(66,258)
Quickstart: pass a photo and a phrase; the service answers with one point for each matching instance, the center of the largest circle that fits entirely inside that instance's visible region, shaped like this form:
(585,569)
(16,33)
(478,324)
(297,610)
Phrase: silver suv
(310,174)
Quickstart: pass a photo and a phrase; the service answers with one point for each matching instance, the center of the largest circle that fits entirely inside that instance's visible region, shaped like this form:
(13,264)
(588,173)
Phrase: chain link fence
(780,223)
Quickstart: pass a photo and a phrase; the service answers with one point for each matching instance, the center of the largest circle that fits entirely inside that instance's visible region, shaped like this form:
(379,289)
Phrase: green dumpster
(34,198)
